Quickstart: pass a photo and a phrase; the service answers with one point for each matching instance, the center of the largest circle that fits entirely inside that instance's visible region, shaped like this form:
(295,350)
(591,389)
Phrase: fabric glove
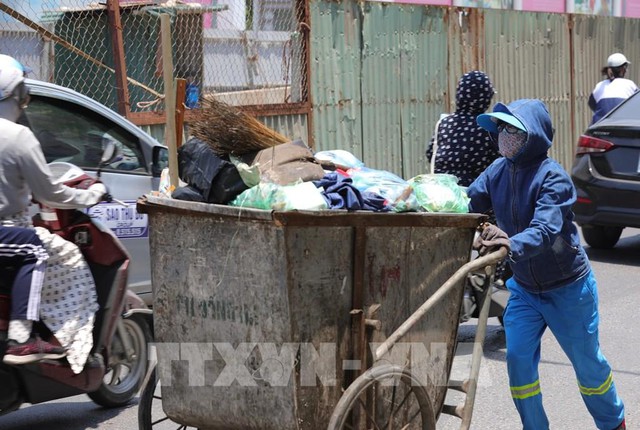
(99,193)
(490,239)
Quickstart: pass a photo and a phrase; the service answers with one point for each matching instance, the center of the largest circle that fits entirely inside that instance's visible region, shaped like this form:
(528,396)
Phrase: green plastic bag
(440,192)
(262,196)
(266,195)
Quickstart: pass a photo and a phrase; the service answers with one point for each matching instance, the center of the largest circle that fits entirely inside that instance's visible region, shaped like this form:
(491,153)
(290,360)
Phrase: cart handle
(478,263)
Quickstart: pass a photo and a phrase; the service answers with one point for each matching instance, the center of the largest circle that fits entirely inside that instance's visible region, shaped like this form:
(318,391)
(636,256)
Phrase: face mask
(510,144)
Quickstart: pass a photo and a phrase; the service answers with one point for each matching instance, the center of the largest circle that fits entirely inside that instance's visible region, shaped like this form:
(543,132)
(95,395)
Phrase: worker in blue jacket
(552,284)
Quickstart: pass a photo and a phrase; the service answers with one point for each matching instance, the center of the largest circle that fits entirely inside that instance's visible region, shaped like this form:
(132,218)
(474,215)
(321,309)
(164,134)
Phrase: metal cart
(307,320)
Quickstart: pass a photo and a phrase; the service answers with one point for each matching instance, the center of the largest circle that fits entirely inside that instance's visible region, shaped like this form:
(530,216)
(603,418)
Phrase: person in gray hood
(552,284)
(463,148)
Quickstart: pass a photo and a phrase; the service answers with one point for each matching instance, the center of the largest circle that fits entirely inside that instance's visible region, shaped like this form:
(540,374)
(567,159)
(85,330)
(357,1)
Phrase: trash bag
(262,196)
(396,191)
(188,193)
(265,195)
(339,157)
(285,164)
(440,192)
(216,178)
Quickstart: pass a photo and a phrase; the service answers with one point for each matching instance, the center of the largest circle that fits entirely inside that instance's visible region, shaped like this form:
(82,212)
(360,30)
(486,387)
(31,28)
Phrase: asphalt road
(617,273)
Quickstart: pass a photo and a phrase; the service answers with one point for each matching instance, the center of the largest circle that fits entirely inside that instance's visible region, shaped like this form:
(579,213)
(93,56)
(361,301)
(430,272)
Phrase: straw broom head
(229,131)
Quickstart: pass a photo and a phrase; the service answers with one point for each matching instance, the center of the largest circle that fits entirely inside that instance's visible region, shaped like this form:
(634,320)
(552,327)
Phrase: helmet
(616,60)
(12,80)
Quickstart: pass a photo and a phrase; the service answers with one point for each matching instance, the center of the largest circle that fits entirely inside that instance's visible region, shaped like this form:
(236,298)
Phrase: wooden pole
(170,99)
(117,42)
(181,92)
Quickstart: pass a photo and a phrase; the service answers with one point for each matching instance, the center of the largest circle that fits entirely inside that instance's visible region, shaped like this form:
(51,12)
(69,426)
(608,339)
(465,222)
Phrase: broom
(229,131)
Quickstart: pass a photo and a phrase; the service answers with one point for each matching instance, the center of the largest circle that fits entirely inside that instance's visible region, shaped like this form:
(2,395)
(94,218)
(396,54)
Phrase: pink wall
(631,9)
(543,5)
(207,18)
(433,2)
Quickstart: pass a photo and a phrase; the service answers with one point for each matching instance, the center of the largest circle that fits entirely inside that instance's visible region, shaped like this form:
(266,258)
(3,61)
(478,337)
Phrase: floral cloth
(69,300)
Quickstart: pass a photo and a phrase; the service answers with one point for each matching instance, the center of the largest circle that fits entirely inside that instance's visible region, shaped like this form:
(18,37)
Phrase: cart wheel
(150,413)
(384,397)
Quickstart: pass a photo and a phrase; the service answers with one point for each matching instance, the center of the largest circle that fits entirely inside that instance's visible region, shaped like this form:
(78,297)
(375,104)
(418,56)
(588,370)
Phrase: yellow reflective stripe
(525,391)
(600,390)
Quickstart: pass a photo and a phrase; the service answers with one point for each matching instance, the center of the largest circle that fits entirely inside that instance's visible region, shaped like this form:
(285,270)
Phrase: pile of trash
(289,176)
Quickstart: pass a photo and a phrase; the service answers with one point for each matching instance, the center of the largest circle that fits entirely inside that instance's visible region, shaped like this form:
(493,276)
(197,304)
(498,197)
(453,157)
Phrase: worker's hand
(100,192)
(490,239)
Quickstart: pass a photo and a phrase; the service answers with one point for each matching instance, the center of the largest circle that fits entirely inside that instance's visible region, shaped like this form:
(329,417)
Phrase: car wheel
(600,236)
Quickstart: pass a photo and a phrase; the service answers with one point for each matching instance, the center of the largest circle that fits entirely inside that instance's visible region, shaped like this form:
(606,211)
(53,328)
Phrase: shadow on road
(625,252)
(60,415)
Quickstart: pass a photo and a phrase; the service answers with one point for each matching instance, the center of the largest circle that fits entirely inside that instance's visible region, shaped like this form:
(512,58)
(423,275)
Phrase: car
(73,128)
(606,174)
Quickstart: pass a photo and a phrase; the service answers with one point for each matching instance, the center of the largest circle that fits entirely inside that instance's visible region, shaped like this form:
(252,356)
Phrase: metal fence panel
(247,52)
(527,55)
(380,104)
(402,96)
(594,39)
(335,45)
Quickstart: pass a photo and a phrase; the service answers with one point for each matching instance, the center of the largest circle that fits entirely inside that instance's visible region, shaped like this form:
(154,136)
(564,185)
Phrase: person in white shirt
(69,302)
(611,91)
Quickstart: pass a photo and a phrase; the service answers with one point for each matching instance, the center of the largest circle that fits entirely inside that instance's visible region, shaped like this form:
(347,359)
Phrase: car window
(69,132)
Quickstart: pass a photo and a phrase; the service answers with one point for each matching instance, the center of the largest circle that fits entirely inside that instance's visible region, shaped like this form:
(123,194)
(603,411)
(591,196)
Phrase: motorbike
(122,331)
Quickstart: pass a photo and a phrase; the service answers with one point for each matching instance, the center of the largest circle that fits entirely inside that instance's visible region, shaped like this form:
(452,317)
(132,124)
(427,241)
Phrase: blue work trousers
(571,313)
(23,255)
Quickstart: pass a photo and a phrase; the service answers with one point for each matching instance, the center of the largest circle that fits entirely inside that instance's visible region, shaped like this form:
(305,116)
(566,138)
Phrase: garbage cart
(306,320)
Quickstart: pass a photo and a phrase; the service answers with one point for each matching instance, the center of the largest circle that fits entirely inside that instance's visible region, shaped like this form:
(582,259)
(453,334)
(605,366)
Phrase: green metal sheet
(595,38)
(335,75)
(378,81)
(527,56)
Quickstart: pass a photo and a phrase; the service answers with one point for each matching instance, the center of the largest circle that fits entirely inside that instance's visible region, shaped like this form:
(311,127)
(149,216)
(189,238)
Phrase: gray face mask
(511,144)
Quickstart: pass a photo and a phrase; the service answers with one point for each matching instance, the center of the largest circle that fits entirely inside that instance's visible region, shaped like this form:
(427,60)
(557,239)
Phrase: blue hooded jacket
(532,196)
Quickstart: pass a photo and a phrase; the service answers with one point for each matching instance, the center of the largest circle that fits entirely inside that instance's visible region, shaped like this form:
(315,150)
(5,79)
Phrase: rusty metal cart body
(263,318)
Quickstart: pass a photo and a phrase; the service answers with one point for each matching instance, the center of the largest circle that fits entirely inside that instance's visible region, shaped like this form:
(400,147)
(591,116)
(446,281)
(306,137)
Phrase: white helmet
(617,60)
(12,87)
(11,76)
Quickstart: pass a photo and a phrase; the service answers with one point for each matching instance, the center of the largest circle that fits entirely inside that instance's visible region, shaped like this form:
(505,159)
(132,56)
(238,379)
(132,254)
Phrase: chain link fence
(245,52)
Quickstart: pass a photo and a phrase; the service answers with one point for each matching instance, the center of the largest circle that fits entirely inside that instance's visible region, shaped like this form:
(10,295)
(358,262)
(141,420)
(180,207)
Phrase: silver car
(73,128)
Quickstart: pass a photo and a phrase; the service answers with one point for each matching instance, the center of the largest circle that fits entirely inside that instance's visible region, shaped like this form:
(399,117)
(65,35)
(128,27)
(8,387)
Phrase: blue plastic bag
(396,191)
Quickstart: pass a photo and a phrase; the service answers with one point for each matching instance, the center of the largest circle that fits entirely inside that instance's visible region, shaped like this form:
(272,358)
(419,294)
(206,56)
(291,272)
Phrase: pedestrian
(611,91)
(462,148)
(553,284)
(69,300)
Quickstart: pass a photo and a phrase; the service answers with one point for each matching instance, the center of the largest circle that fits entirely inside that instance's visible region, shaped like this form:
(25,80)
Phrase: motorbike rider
(69,301)
(613,90)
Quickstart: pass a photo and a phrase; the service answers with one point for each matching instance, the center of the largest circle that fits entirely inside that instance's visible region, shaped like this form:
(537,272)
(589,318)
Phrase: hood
(10,109)
(534,115)
(474,93)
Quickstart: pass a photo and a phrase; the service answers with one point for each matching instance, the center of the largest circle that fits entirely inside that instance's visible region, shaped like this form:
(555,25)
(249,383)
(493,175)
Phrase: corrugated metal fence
(382,73)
